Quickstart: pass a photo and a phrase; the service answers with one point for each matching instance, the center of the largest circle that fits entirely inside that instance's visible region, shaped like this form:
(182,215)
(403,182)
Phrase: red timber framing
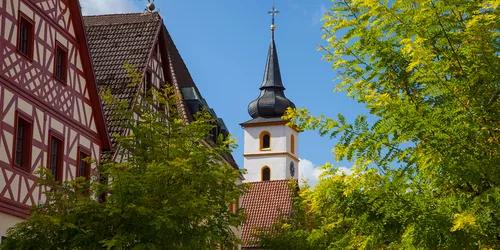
(69,109)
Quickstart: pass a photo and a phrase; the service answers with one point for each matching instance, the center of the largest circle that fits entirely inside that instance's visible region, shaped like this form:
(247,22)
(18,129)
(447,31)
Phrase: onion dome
(271,101)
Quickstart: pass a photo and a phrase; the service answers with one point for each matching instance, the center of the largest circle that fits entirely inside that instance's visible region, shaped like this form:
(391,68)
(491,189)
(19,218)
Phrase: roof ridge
(120,19)
(180,57)
(269,181)
(116,14)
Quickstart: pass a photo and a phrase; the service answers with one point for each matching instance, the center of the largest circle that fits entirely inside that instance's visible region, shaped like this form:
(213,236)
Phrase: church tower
(270,146)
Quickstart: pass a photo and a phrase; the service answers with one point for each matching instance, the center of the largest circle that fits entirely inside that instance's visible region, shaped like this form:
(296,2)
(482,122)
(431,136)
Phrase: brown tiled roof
(263,204)
(114,40)
(119,38)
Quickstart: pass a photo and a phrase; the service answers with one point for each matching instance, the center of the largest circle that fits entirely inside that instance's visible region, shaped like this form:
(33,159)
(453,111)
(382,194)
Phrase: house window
(265,141)
(22,152)
(292,144)
(25,39)
(61,63)
(83,165)
(55,157)
(266,174)
(149,83)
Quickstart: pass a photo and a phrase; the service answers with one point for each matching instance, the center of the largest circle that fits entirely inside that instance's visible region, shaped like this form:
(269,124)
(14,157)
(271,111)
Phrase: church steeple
(271,102)
(270,146)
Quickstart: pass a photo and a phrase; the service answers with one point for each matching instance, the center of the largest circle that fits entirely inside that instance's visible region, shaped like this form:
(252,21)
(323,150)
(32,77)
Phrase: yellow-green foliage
(171,192)
(426,174)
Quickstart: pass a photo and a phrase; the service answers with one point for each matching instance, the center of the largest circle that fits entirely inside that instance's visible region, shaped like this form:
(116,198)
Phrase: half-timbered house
(50,109)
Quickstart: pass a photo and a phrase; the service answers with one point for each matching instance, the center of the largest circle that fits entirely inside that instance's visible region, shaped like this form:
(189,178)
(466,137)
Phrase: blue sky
(225,45)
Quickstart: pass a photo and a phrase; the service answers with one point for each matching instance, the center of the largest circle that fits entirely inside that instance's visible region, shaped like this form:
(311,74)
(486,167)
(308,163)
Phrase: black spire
(271,102)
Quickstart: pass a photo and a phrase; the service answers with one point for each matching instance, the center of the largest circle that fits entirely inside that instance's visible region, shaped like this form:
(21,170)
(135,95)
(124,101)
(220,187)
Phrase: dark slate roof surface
(272,101)
(263,204)
(182,79)
(272,73)
(263,120)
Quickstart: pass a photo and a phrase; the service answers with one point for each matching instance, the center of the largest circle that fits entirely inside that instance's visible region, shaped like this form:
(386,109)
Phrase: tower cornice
(256,123)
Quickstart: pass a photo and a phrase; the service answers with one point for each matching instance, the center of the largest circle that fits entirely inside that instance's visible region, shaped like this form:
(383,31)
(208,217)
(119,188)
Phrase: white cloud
(100,7)
(310,172)
(345,170)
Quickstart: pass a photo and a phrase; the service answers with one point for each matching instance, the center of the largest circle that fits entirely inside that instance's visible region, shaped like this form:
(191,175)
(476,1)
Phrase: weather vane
(150,8)
(273,12)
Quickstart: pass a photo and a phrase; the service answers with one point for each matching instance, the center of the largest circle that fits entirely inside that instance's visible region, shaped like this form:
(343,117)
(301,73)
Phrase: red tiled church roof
(263,204)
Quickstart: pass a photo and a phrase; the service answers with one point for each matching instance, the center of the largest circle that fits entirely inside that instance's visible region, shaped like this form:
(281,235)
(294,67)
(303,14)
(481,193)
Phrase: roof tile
(263,204)
(119,38)
(114,40)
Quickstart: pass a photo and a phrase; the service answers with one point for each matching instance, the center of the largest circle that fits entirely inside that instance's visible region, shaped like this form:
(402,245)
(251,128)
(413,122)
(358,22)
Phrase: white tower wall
(277,158)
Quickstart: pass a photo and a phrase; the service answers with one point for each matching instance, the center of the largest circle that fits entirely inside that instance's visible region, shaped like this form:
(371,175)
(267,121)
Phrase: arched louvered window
(265,140)
(292,144)
(266,174)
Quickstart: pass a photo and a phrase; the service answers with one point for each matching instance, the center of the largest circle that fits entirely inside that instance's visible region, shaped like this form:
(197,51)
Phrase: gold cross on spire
(273,12)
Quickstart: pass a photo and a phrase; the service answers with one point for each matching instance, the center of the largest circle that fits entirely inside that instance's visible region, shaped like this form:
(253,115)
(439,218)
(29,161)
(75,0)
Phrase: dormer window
(265,141)
(214,134)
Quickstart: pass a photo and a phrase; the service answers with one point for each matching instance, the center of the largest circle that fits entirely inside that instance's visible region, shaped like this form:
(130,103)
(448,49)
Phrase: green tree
(425,175)
(170,192)
(290,231)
